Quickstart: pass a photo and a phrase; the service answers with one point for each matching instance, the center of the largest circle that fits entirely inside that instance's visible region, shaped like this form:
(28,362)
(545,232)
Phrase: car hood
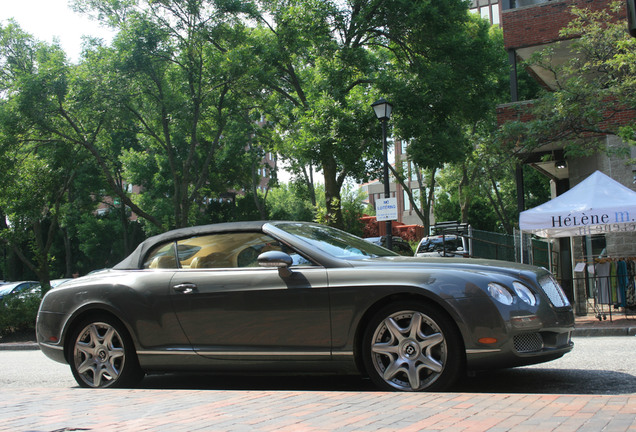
(466,264)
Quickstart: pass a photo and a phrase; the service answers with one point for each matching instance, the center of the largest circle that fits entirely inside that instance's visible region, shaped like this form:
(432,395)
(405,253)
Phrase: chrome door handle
(185,288)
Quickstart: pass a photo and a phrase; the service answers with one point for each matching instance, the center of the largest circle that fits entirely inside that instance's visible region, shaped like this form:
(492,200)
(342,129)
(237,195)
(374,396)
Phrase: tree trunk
(429,200)
(256,179)
(464,197)
(309,180)
(68,254)
(332,194)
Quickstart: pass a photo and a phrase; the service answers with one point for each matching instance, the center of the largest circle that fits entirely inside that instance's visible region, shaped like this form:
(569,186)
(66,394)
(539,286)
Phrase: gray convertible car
(296,297)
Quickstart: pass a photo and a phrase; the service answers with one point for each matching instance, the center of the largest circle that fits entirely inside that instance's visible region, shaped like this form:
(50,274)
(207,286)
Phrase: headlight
(500,293)
(524,293)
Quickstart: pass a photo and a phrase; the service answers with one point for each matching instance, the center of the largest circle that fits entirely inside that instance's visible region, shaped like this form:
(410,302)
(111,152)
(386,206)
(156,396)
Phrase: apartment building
(533,25)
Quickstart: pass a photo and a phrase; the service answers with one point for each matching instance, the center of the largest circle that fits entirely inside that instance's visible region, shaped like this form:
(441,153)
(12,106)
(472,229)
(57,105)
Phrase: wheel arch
(454,318)
(99,309)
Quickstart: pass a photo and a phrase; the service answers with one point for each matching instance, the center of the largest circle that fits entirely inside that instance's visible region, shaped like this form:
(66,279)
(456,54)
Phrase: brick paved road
(211,410)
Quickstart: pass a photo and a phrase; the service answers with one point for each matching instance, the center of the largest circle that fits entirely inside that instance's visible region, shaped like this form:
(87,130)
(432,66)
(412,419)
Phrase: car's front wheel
(412,347)
(103,355)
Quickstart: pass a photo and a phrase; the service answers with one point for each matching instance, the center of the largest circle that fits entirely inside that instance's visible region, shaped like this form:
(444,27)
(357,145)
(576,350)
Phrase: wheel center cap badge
(410,350)
(102,355)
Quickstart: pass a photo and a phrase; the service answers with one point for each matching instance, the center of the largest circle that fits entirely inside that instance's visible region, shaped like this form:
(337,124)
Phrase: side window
(229,250)
(161,256)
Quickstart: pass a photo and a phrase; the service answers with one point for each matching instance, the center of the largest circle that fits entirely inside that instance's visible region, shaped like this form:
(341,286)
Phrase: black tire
(102,355)
(411,346)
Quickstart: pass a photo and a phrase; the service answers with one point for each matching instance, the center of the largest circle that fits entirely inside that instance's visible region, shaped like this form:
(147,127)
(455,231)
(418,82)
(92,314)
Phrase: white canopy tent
(597,205)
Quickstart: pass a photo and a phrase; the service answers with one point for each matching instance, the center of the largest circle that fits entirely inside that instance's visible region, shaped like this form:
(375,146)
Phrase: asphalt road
(596,366)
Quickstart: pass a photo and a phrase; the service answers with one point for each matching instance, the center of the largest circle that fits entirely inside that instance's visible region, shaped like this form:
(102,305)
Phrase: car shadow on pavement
(517,380)
(206,381)
(549,381)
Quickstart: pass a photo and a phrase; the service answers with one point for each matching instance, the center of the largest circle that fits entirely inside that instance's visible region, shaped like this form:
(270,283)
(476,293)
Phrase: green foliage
(243,209)
(101,241)
(286,202)
(490,194)
(18,313)
(325,69)
(353,209)
(592,89)
(446,84)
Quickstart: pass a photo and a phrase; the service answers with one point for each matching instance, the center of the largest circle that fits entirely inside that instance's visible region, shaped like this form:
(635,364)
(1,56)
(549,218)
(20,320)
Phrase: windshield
(434,244)
(333,241)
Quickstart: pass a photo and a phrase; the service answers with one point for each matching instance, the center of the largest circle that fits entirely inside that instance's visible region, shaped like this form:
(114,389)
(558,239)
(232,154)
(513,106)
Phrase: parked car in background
(398,244)
(448,245)
(12,288)
(58,282)
(37,289)
(299,297)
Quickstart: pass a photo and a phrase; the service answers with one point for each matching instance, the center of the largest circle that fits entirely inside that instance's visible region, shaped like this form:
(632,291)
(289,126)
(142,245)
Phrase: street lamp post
(382,110)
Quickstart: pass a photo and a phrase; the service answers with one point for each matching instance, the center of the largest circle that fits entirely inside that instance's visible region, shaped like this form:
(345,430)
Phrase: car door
(231,308)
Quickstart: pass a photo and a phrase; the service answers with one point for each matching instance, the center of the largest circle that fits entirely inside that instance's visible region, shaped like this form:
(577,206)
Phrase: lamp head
(382,109)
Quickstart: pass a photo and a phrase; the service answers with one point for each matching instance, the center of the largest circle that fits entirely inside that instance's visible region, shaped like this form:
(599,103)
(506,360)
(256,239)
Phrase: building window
(495,14)
(487,9)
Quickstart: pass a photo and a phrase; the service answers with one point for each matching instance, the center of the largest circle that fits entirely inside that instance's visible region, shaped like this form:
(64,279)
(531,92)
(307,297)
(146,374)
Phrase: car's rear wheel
(103,355)
(412,347)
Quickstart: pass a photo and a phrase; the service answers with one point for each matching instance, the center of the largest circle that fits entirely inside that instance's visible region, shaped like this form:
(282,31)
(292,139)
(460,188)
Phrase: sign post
(386,210)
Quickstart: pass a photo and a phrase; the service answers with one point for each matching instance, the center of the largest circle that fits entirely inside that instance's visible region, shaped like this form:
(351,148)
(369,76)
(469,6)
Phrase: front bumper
(524,344)
(522,350)
(48,332)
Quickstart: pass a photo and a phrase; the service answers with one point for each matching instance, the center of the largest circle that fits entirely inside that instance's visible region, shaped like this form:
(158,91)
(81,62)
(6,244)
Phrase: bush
(18,312)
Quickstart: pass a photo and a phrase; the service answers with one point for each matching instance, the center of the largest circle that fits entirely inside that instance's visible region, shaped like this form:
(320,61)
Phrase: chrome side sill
(483,351)
(240,353)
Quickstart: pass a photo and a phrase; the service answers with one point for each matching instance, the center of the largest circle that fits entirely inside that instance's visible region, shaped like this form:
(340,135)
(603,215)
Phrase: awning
(597,205)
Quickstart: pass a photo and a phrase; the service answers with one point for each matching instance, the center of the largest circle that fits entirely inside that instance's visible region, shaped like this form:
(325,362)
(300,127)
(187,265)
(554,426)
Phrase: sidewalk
(310,411)
(620,325)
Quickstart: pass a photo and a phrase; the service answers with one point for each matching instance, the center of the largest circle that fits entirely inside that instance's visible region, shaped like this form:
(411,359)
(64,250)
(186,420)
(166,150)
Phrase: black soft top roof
(135,259)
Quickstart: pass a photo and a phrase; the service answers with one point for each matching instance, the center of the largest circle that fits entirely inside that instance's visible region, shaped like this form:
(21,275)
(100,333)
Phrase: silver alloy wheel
(408,350)
(99,355)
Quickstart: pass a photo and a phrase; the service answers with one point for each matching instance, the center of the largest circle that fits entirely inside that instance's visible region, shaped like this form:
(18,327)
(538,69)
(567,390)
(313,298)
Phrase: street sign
(386,209)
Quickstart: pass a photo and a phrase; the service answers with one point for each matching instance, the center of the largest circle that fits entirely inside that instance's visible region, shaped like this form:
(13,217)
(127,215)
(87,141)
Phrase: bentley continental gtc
(294,297)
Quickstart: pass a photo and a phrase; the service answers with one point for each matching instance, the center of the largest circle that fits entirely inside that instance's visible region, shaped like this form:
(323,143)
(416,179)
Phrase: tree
(286,202)
(482,191)
(37,168)
(314,58)
(445,116)
(442,79)
(325,62)
(173,82)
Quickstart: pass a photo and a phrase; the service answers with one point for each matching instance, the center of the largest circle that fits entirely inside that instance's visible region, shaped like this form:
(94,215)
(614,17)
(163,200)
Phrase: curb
(610,331)
(15,346)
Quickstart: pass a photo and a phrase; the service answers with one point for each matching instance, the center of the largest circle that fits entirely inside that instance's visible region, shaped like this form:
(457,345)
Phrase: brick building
(533,25)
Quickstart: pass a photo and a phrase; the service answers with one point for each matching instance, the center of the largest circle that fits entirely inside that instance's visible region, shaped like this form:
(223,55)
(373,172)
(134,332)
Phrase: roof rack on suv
(450,227)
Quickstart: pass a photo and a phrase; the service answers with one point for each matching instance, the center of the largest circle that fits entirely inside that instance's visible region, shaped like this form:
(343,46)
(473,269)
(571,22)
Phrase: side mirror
(277,259)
